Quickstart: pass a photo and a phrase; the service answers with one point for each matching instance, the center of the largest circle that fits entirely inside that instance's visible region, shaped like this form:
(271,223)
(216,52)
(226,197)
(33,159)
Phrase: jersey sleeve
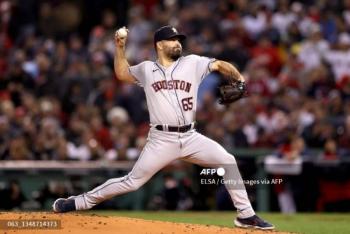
(139,72)
(202,66)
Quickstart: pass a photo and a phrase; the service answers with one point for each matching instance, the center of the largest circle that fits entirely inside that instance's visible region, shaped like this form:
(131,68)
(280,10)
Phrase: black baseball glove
(232,92)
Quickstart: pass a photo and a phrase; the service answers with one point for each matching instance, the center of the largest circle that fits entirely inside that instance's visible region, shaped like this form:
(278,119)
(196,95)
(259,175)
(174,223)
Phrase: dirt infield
(13,222)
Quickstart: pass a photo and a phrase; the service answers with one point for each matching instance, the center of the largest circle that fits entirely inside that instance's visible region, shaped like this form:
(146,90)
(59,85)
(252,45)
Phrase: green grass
(300,223)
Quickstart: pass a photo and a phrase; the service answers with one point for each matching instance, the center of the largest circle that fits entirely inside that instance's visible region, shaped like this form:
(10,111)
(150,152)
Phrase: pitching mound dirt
(13,222)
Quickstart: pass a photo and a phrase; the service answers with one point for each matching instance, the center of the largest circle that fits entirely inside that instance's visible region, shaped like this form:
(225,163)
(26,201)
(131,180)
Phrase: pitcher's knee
(135,185)
(228,160)
(231,159)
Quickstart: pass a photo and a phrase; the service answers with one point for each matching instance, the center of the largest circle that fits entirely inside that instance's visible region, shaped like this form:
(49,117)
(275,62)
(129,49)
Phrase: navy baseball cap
(166,33)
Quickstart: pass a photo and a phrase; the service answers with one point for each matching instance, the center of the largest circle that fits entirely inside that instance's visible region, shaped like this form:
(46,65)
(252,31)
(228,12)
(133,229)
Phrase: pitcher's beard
(175,57)
(175,54)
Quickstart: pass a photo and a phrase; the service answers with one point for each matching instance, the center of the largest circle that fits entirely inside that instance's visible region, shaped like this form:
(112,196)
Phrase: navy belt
(183,128)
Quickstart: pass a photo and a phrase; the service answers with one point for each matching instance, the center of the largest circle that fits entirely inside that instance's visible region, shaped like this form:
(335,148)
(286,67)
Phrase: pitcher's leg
(153,158)
(206,152)
(109,189)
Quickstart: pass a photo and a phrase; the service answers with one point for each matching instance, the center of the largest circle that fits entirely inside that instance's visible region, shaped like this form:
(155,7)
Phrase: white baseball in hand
(122,32)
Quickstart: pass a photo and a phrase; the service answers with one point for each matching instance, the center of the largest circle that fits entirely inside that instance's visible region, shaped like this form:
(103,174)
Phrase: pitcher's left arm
(226,69)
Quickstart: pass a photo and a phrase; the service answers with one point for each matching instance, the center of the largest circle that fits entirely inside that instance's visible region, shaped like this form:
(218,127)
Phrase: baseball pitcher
(171,84)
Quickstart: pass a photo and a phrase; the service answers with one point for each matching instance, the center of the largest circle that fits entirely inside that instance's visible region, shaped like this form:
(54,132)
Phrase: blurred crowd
(60,99)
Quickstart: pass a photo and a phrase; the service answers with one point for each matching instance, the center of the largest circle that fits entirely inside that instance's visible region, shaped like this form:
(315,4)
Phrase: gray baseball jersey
(172,92)
(171,98)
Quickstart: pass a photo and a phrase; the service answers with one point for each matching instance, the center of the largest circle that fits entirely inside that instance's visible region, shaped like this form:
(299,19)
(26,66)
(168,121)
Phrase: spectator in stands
(291,151)
(283,18)
(313,48)
(338,57)
(267,55)
(18,149)
(344,137)
(330,151)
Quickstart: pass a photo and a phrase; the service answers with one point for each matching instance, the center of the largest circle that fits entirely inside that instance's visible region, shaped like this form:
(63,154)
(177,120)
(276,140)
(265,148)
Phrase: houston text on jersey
(172,84)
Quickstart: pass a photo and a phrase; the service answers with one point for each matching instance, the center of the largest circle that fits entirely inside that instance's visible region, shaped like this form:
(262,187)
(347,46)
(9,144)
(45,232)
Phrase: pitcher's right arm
(121,65)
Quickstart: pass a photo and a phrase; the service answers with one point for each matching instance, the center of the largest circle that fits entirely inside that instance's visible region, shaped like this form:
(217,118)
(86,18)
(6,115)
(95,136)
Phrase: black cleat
(253,222)
(62,205)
